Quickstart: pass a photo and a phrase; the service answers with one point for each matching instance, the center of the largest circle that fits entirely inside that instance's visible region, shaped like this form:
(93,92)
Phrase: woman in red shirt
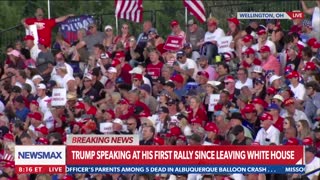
(197,110)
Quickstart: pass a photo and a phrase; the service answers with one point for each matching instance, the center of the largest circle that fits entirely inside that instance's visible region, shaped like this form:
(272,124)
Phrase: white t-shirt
(214,36)
(265,137)
(34,52)
(190,64)
(248,83)
(65,81)
(269,43)
(48,119)
(43,104)
(314,164)
(316,19)
(298,91)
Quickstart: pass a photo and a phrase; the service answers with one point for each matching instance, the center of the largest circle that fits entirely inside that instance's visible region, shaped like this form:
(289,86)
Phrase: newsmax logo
(40,155)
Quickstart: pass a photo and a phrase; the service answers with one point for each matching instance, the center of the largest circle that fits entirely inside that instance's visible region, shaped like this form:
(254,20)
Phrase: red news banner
(185,155)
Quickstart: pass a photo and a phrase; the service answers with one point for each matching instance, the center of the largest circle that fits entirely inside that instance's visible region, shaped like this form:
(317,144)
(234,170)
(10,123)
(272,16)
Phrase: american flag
(129,9)
(196,8)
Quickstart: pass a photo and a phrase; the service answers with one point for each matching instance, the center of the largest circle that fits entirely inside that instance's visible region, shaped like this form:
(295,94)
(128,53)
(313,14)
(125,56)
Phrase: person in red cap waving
(268,133)
(177,31)
(44,25)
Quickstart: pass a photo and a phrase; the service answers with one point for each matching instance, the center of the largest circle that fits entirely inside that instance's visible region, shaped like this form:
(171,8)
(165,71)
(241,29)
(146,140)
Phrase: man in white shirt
(211,37)
(243,79)
(185,65)
(293,112)
(312,162)
(33,48)
(43,99)
(263,41)
(268,133)
(296,87)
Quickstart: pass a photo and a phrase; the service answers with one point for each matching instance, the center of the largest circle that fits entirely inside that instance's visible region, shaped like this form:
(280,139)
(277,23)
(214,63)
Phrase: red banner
(173,43)
(185,155)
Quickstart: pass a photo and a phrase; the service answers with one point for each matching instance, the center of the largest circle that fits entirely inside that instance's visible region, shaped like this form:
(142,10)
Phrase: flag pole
(186,19)
(117,25)
(49,14)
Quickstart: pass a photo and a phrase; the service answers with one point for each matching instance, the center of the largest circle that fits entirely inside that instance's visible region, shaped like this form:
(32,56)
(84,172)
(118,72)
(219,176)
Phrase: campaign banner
(106,128)
(59,97)
(40,159)
(224,44)
(185,155)
(80,140)
(69,27)
(198,169)
(173,43)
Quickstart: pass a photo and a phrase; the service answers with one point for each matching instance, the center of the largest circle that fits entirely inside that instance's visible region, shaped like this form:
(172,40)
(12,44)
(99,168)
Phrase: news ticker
(122,154)
(270,15)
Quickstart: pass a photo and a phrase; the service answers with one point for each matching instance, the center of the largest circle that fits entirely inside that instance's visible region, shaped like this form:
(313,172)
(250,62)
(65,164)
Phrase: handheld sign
(173,43)
(224,44)
(59,97)
(214,99)
(106,128)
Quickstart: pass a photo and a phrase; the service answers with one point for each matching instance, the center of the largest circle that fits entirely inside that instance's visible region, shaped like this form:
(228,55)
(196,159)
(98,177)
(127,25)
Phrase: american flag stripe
(196,8)
(129,9)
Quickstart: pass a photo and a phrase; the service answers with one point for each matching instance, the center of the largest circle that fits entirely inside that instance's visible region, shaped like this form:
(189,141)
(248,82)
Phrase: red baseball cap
(271,90)
(111,112)
(311,41)
(266,116)
(264,49)
(175,131)
(36,115)
(211,23)
(249,108)
(137,76)
(234,20)
(177,78)
(212,127)
(247,38)
(229,79)
(79,105)
(44,130)
(292,141)
(261,32)
(310,66)
(196,120)
(115,62)
(260,101)
(293,74)
(119,54)
(9,136)
(159,140)
(35,103)
(174,23)
(203,73)
(28,37)
(9,164)
(308,141)
(249,51)
(123,101)
(42,42)
(316,45)
(288,102)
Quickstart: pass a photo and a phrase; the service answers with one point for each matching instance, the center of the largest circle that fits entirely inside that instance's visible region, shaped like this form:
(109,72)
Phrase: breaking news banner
(109,154)
(270,15)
